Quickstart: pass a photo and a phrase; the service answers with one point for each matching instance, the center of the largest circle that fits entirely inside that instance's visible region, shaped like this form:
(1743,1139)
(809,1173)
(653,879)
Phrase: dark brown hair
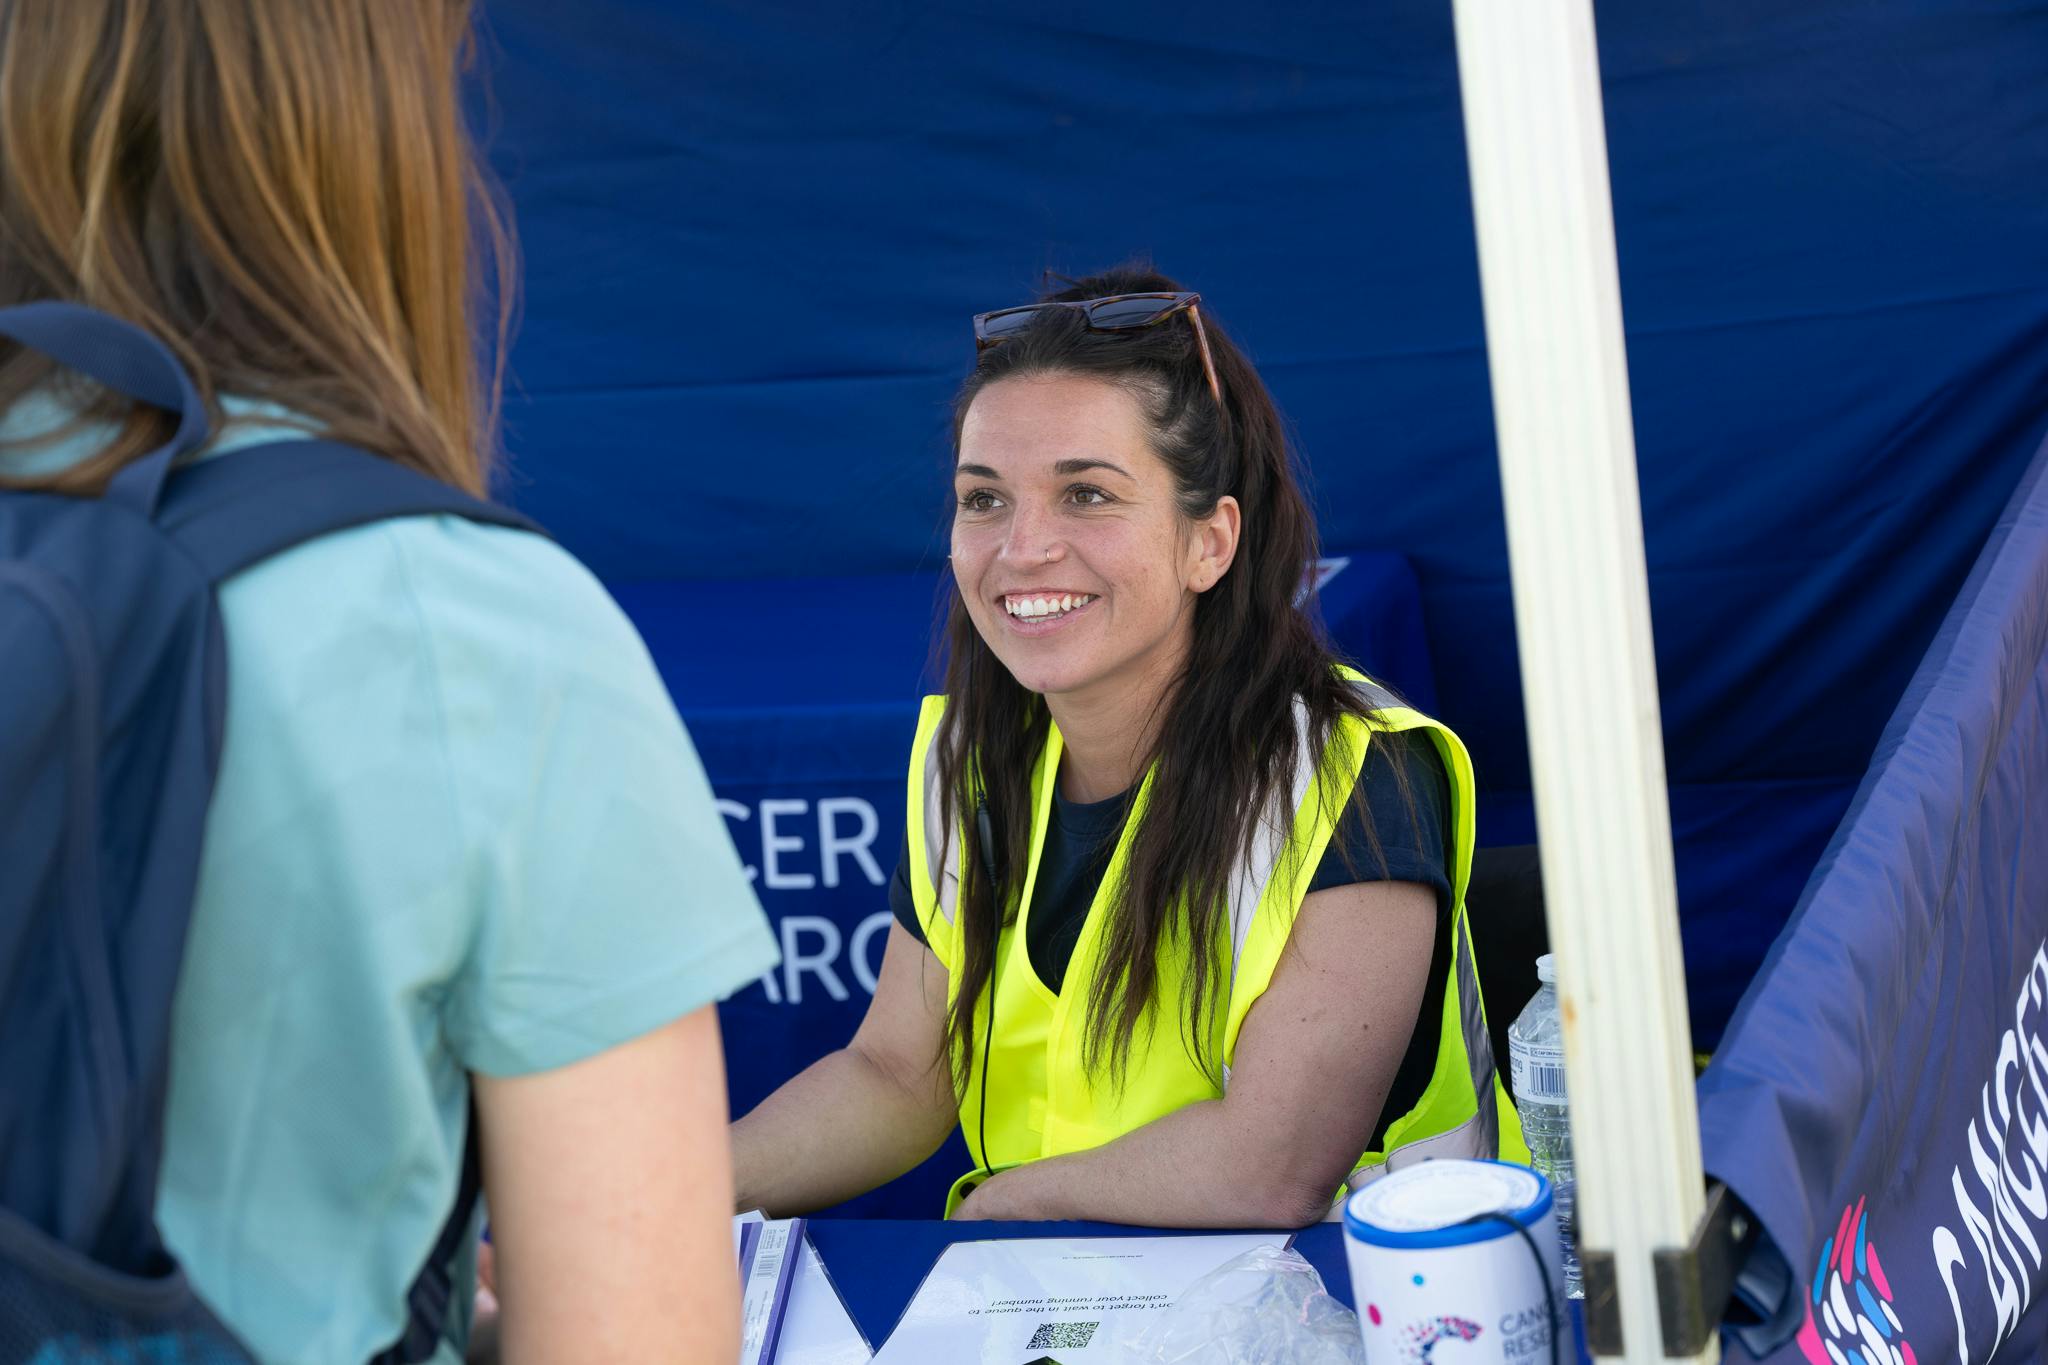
(285,194)
(1227,735)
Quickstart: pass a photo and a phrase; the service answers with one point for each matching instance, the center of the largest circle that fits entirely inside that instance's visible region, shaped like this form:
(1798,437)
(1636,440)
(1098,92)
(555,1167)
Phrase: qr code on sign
(1071,1335)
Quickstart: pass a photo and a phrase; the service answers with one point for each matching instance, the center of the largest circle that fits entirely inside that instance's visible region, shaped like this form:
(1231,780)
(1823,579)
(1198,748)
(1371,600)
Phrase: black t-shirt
(1082,836)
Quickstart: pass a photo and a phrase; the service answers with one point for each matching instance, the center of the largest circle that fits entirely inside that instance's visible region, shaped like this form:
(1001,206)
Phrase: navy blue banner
(1881,1101)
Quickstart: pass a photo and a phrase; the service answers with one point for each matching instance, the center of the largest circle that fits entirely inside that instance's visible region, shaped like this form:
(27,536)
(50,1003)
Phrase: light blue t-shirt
(458,827)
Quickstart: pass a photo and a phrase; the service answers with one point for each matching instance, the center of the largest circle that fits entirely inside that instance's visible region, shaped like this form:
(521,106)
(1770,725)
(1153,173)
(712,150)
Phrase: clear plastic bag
(1266,1307)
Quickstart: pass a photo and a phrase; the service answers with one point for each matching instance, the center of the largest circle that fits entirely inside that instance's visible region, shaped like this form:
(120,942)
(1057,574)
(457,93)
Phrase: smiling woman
(1180,929)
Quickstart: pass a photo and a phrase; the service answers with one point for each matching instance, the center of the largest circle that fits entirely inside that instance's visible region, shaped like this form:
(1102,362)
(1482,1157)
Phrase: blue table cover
(877,1266)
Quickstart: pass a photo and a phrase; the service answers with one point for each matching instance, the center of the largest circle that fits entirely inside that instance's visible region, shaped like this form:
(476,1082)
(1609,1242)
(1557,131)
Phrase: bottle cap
(1546,969)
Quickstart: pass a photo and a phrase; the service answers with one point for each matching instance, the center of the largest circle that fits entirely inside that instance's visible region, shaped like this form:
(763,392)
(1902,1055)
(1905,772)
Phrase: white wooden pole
(1534,133)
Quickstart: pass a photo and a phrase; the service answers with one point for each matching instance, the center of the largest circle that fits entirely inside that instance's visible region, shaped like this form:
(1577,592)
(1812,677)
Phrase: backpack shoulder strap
(128,360)
(234,510)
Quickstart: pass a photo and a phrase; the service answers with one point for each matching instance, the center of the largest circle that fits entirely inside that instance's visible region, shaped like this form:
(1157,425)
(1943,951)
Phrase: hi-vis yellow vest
(1040,1100)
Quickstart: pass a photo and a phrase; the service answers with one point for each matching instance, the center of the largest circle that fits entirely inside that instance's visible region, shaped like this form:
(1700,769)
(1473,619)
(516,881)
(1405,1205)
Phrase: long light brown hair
(283,191)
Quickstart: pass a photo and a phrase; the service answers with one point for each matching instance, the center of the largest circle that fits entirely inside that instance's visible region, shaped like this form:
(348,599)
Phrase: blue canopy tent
(754,234)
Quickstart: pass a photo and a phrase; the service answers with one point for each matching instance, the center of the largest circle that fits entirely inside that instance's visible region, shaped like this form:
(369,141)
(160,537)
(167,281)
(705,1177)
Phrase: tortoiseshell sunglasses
(1114,313)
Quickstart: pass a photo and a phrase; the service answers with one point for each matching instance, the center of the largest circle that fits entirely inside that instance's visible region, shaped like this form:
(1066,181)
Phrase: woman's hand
(483,1322)
(486,1278)
(1002,1196)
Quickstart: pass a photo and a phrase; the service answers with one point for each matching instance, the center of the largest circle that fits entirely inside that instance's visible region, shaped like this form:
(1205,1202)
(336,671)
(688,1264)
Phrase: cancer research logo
(1849,1317)
(1420,1340)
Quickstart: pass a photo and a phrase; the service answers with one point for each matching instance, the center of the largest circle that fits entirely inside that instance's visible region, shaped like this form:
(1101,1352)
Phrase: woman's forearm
(839,1128)
(1314,1061)
(1203,1166)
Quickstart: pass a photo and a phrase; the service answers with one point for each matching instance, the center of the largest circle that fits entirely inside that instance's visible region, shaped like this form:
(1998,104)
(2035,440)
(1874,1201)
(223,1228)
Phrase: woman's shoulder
(484,645)
(482,679)
(472,596)
(521,588)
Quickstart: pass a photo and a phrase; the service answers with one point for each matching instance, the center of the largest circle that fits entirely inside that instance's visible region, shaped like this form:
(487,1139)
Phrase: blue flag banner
(1881,1101)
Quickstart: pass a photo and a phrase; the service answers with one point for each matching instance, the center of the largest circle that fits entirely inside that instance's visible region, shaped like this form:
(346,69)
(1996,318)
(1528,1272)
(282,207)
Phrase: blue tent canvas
(754,234)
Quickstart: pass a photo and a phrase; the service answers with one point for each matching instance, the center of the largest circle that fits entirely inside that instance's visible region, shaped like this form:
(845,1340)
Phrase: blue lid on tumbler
(1446,1204)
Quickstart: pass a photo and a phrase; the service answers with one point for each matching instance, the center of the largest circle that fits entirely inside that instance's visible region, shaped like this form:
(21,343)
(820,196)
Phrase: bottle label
(1537,1073)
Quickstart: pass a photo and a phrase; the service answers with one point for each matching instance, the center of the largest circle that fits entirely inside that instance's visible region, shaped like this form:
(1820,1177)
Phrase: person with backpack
(351,851)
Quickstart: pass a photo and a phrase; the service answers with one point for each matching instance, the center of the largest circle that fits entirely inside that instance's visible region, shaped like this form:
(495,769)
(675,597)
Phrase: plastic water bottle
(1536,1071)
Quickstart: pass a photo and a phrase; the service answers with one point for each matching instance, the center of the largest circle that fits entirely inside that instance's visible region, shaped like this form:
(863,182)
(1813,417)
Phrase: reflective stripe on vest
(1460,1111)
(1478,1137)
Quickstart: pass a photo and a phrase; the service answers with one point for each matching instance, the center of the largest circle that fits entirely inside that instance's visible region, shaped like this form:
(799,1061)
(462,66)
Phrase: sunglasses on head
(1114,313)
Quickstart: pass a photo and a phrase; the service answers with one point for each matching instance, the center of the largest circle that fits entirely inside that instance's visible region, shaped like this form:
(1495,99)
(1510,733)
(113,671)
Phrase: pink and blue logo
(1849,1317)
(1421,1340)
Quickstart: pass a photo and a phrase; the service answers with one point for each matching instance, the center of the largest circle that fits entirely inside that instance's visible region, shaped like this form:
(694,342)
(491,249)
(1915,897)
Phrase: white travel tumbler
(1457,1251)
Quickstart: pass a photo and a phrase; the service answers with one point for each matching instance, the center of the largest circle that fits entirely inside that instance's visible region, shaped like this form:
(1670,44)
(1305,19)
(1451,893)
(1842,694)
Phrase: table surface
(877,1265)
